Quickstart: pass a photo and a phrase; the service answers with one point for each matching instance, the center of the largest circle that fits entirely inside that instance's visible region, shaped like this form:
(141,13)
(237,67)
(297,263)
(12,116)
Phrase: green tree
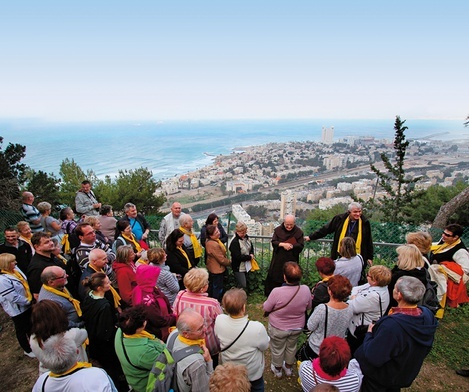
(399,188)
(11,174)
(45,187)
(72,175)
(138,187)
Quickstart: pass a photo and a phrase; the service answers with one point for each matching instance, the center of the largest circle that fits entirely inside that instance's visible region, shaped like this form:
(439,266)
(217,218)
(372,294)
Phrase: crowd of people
(101,295)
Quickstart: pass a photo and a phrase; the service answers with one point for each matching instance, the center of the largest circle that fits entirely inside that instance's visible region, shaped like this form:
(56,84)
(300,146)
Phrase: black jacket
(335,226)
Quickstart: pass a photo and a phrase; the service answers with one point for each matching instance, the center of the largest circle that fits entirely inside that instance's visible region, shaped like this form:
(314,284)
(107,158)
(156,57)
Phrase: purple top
(291,316)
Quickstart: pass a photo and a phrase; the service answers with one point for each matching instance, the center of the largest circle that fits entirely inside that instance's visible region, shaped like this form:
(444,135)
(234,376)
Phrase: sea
(171,148)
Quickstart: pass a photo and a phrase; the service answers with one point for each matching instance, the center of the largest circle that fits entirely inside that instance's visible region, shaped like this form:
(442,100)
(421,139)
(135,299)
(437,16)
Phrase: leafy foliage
(399,188)
(132,186)
(45,187)
(11,174)
(72,176)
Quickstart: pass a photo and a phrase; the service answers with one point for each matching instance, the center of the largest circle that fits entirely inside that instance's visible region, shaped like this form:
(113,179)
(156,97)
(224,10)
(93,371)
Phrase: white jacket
(13,295)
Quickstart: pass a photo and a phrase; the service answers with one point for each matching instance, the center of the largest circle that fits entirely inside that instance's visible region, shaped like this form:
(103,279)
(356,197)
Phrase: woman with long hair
(349,264)
(178,258)
(216,262)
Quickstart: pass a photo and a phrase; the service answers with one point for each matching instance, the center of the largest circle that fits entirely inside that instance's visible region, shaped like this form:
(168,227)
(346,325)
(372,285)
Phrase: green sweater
(142,352)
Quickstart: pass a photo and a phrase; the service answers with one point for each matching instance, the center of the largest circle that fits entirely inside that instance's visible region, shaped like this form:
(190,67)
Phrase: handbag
(254,265)
(305,352)
(234,341)
(266,314)
(362,329)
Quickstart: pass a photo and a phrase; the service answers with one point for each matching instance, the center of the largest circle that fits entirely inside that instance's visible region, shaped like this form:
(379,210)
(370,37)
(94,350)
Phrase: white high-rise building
(327,135)
(287,203)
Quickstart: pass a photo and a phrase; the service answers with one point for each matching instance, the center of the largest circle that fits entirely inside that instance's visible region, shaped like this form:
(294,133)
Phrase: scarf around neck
(358,242)
(195,243)
(65,294)
(22,280)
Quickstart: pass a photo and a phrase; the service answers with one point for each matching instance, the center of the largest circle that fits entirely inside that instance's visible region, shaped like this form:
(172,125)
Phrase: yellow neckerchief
(143,334)
(439,248)
(62,259)
(78,365)
(133,240)
(189,265)
(222,245)
(195,243)
(66,244)
(358,242)
(65,294)
(26,240)
(23,281)
(115,295)
(191,342)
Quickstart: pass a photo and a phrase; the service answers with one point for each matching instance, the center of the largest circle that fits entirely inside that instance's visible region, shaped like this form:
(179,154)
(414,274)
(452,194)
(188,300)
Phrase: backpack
(430,297)
(363,278)
(163,375)
(114,244)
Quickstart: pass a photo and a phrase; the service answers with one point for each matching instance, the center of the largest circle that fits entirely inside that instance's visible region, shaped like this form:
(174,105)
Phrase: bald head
(289,222)
(28,197)
(98,258)
(54,277)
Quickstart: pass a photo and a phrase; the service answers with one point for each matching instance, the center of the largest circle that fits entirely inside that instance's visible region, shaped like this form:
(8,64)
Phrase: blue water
(172,148)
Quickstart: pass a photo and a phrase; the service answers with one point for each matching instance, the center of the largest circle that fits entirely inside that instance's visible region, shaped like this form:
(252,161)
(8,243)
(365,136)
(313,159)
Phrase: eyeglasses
(447,235)
(60,277)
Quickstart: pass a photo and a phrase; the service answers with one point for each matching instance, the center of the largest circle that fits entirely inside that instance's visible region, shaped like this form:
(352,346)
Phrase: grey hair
(128,206)
(44,206)
(411,289)
(59,353)
(184,218)
(95,254)
(354,204)
(183,323)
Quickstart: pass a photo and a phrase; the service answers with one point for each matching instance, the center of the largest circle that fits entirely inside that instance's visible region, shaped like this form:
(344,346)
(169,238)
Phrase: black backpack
(430,297)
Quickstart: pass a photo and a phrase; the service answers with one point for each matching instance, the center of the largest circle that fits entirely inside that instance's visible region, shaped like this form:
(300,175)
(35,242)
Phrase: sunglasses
(448,235)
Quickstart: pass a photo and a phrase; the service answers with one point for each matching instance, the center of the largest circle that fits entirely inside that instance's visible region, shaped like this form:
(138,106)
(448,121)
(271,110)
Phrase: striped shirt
(311,374)
(208,308)
(30,214)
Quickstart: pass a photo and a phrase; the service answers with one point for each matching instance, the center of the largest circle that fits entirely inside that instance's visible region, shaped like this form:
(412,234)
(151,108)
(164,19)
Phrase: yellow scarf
(143,334)
(78,365)
(65,294)
(115,295)
(222,245)
(191,342)
(134,241)
(23,281)
(358,242)
(189,265)
(66,244)
(195,243)
(439,248)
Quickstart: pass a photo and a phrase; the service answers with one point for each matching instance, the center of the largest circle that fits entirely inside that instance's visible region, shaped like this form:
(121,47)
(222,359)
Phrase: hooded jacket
(158,308)
(394,351)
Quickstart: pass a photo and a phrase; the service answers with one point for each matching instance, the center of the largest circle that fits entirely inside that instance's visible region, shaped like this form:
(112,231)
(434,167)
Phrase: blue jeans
(257,385)
(215,289)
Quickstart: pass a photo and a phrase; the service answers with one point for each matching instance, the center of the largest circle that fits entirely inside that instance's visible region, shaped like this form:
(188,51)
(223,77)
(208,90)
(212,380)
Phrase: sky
(184,60)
